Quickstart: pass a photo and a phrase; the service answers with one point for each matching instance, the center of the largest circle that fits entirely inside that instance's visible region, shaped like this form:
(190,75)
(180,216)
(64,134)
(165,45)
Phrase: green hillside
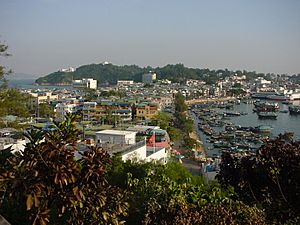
(109,73)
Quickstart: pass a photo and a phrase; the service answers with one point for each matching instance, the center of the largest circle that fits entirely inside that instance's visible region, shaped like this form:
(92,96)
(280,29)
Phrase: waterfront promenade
(207,100)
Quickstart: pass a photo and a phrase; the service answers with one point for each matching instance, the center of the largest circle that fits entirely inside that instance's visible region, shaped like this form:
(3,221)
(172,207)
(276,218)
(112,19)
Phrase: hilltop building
(68,70)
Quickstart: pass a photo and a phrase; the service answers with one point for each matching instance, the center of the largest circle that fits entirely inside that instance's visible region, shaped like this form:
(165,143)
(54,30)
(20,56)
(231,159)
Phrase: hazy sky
(46,35)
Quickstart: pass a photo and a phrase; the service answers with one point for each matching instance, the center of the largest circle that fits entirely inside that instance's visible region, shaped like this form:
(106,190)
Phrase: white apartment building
(42,97)
(61,110)
(85,83)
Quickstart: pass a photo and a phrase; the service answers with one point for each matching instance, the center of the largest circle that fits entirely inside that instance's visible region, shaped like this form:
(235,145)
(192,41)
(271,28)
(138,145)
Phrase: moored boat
(267,115)
(262,129)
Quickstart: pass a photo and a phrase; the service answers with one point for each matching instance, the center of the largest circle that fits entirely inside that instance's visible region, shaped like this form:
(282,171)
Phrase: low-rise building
(146,111)
(115,137)
(41,97)
(124,143)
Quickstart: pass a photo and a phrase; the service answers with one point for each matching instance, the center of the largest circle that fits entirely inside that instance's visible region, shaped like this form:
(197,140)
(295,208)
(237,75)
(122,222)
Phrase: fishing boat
(267,115)
(262,129)
(279,97)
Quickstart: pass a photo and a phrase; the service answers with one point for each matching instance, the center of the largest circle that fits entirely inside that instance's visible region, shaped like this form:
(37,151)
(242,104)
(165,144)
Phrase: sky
(46,35)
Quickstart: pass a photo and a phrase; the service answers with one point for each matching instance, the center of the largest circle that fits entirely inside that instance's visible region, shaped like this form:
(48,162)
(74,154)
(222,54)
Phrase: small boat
(229,113)
(262,129)
(267,115)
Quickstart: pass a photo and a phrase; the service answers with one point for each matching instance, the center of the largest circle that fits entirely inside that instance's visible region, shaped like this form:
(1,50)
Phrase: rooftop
(115,132)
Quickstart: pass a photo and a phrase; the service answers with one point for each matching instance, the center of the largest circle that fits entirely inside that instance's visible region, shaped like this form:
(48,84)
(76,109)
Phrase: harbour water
(285,122)
(29,84)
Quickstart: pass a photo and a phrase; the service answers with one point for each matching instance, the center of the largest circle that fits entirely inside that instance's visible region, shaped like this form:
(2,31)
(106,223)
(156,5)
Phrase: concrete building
(115,137)
(146,111)
(85,83)
(61,109)
(124,143)
(88,111)
(148,78)
(42,97)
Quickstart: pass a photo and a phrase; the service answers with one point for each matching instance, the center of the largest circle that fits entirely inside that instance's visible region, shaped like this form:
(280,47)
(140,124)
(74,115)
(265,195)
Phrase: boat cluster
(226,136)
(266,110)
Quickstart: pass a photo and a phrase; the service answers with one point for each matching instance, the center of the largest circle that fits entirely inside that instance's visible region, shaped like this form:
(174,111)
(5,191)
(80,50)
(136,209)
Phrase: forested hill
(109,73)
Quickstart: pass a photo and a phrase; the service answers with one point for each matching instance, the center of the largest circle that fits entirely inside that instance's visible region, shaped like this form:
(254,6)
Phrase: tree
(271,178)
(46,185)
(13,102)
(180,105)
(45,110)
(163,120)
(169,194)
(173,133)
(3,71)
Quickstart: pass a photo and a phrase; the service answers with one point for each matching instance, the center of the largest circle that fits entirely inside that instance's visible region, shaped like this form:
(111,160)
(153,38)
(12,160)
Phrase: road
(192,166)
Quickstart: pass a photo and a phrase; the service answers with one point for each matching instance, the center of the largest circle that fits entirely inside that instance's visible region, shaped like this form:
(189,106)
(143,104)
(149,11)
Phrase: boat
(267,115)
(265,106)
(230,113)
(279,97)
(262,95)
(262,129)
(294,109)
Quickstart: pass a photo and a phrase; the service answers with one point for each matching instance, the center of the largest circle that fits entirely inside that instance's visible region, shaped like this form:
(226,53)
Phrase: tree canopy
(109,73)
(270,179)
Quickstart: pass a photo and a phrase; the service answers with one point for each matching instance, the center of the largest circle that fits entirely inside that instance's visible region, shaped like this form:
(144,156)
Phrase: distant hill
(109,73)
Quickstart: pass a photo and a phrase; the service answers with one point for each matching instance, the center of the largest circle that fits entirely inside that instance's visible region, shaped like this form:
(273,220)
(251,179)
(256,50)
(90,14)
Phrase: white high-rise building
(148,78)
(85,83)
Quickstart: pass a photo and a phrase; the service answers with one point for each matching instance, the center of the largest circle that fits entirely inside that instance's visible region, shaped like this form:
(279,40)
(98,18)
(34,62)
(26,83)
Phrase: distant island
(107,73)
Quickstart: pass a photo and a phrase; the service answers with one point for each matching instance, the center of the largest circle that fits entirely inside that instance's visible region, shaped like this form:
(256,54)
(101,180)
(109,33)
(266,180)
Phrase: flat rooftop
(115,132)
(141,128)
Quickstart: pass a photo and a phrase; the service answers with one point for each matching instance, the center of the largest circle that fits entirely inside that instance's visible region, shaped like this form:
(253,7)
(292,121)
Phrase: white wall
(160,155)
(139,154)
(116,139)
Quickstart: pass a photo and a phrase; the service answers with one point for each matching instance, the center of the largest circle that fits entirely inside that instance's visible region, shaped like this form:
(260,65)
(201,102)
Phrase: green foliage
(163,120)
(111,74)
(180,105)
(173,133)
(270,179)
(13,102)
(189,142)
(112,93)
(45,185)
(89,94)
(45,110)
(169,194)
(3,71)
